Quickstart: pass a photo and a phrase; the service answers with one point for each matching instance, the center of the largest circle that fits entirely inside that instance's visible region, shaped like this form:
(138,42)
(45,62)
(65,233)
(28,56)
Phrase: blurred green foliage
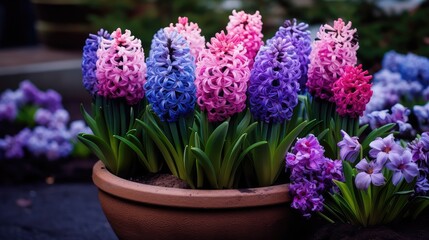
(378,31)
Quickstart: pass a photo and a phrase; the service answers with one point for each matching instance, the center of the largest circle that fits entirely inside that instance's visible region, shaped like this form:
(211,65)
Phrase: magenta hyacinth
(334,49)
(248,27)
(191,32)
(222,75)
(352,91)
(121,68)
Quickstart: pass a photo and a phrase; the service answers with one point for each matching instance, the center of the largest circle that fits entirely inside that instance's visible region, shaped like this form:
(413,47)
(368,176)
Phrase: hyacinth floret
(352,91)
(248,27)
(301,40)
(191,32)
(222,75)
(334,49)
(121,68)
(273,85)
(170,87)
(89,60)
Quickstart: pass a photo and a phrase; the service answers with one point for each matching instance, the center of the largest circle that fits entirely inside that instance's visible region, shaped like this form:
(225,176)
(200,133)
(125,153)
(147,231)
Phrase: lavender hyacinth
(89,60)
(273,87)
(170,87)
(301,40)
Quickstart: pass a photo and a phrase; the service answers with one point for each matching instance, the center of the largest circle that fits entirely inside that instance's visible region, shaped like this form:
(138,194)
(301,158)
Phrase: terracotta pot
(140,211)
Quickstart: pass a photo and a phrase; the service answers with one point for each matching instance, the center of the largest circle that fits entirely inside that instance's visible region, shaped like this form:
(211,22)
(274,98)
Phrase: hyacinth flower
(120,72)
(171,94)
(222,75)
(89,60)
(222,126)
(301,40)
(273,96)
(311,175)
(19,106)
(333,50)
(419,149)
(191,32)
(352,91)
(379,189)
(248,28)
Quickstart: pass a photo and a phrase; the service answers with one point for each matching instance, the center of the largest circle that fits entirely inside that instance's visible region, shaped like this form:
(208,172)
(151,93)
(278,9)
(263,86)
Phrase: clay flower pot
(141,211)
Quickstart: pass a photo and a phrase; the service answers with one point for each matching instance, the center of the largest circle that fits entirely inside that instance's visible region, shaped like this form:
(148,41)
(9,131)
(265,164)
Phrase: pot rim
(191,198)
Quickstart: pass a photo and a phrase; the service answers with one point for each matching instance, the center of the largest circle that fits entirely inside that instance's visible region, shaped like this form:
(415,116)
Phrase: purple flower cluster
(389,88)
(420,154)
(398,114)
(411,66)
(51,137)
(301,40)
(311,175)
(273,85)
(170,87)
(422,115)
(385,152)
(11,102)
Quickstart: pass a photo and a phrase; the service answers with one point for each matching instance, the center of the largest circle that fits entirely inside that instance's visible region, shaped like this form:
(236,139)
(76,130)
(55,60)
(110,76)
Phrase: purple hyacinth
(13,146)
(422,185)
(8,111)
(306,198)
(51,143)
(50,99)
(312,174)
(89,60)
(273,86)
(383,148)
(349,147)
(170,87)
(402,167)
(369,172)
(301,40)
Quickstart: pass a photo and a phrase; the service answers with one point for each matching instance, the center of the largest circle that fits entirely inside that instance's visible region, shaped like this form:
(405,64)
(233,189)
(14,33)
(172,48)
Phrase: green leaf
(205,163)
(166,148)
(285,144)
(215,145)
(100,148)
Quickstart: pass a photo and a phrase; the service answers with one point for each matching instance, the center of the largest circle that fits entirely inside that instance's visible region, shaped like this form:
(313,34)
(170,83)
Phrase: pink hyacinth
(249,29)
(222,75)
(191,32)
(352,91)
(121,68)
(334,49)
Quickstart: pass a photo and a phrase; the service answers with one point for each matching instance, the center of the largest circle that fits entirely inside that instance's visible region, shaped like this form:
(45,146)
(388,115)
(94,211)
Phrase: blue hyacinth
(169,86)
(89,60)
(273,87)
(301,40)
